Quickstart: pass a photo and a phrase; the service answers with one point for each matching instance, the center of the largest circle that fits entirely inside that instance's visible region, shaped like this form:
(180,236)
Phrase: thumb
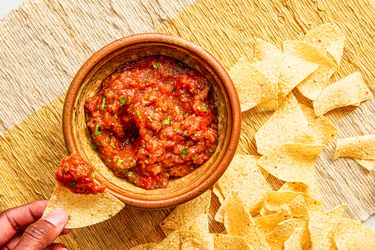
(43,232)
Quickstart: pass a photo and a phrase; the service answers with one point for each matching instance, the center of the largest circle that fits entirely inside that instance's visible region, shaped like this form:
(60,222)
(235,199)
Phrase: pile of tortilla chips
(255,215)
(306,65)
(260,218)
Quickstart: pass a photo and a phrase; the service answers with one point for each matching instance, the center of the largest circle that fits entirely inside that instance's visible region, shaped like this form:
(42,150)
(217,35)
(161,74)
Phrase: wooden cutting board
(44,43)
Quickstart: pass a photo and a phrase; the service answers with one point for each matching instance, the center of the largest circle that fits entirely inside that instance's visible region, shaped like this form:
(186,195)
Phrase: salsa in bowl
(156,116)
(153,119)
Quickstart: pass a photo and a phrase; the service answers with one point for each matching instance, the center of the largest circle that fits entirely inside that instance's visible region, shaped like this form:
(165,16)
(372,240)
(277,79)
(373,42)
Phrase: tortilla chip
(271,69)
(312,193)
(292,162)
(83,209)
(267,223)
(270,65)
(244,178)
(322,128)
(286,125)
(238,221)
(314,84)
(147,246)
(347,91)
(266,51)
(329,39)
(195,240)
(357,147)
(172,241)
(265,212)
(186,240)
(252,86)
(298,240)
(298,207)
(293,70)
(282,232)
(323,226)
(307,52)
(199,224)
(229,242)
(368,164)
(353,235)
(186,212)
(277,200)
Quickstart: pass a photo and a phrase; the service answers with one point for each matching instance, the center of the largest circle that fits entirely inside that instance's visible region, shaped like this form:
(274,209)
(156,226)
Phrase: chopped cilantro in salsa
(122,100)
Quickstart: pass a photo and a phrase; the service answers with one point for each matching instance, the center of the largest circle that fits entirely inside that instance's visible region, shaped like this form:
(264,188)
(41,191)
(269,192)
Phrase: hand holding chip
(23,228)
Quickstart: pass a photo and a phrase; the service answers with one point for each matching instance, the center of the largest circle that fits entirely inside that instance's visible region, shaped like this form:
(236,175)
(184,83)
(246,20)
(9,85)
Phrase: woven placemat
(43,44)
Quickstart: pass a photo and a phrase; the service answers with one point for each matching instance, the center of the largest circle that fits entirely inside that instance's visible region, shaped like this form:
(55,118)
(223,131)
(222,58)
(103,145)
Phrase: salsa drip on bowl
(152,120)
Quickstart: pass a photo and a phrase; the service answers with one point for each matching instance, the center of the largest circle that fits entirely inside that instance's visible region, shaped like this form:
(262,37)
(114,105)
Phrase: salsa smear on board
(153,120)
(77,175)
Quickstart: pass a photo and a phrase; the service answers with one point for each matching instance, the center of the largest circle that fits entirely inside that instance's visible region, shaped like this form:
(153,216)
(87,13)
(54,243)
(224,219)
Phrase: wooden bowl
(102,63)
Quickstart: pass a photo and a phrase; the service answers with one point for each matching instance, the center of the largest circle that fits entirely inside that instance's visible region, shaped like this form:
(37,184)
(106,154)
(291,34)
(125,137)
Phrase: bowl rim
(218,69)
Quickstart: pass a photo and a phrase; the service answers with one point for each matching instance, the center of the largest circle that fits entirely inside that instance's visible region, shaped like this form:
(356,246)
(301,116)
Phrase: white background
(8,5)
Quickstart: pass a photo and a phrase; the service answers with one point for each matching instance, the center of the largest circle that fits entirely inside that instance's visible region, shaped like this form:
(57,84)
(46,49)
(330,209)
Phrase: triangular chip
(230,242)
(83,209)
(298,207)
(278,200)
(199,224)
(267,223)
(357,147)
(307,52)
(252,86)
(293,71)
(195,240)
(238,221)
(186,240)
(323,226)
(271,69)
(282,232)
(186,212)
(266,51)
(312,193)
(368,164)
(292,162)
(264,212)
(329,39)
(347,91)
(286,125)
(314,84)
(244,178)
(298,240)
(321,127)
(353,235)
(147,246)
(172,241)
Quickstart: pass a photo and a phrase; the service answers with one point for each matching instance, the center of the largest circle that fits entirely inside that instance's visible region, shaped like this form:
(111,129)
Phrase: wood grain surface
(44,43)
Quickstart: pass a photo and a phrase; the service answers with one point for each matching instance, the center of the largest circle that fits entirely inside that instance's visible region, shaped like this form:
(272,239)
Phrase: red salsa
(152,120)
(77,175)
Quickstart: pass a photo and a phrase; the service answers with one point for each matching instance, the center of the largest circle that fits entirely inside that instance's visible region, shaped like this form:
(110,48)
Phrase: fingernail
(57,218)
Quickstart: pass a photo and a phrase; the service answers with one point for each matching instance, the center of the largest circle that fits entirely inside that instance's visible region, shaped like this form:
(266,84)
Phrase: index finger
(16,219)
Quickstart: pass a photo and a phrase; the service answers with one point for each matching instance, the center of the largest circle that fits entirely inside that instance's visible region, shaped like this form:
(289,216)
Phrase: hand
(23,228)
